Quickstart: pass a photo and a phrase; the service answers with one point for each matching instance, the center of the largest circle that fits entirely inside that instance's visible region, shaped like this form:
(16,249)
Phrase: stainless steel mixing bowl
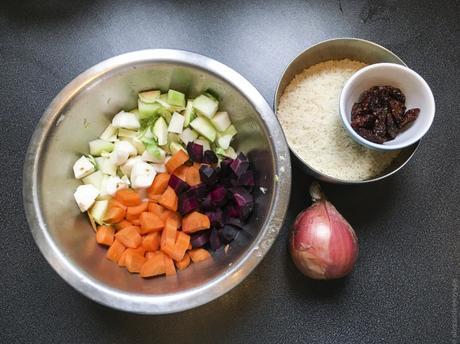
(81,111)
(338,49)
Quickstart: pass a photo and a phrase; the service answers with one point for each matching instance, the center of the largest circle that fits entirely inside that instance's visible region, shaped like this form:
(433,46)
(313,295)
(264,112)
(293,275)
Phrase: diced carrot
(122,224)
(136,222)
(159,185)
(151,241)
(176,160)
(181,265)
(180,172)
(104,235)
(189,247)
(134,212)
(199,254)
(168,237)
(153,266)
(154,198)
(115,251)
(169,199)
(114,203)
(192,176)
(195,222)
(114,215)
(150,254)
(197,165)
(181,245)
(150,222)
(155,208)
(128,197)
(129,236)
(122,261)
(170,270)
(134,262)
(175,216)
(159,210)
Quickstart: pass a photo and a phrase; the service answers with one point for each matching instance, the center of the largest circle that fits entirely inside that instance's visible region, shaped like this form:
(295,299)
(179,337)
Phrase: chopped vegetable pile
(163,186)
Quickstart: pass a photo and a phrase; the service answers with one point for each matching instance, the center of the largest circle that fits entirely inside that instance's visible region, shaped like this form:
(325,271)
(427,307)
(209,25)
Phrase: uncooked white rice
(309,114)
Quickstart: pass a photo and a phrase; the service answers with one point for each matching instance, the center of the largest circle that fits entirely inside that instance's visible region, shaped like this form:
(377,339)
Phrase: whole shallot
(323,245)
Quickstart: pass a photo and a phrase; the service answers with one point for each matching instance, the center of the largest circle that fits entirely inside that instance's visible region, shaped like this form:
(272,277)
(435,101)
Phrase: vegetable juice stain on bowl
(351,54)
(62,233)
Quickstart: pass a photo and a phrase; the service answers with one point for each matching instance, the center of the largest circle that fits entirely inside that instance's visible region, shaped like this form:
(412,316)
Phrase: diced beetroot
(240,164)
(231,211)
(229,233)
(208,175)
(188,204)
(244,201)
(178,184)
(225,169)
(199,239)
(216,217)
(234,221)
(198,191)
(195,152)
(214,240)
(246,179)
(218,196)
(209,157)
(206,203)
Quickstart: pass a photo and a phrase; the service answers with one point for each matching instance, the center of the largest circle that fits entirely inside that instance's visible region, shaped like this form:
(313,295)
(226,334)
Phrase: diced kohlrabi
(188,135)
(83,167)
(126,180)
(149,97)
(121,152)
(136,142)
(173,137)
(96,147)
(205,106)
(106,166)
(176,98)
(147,110)
(127,133)
(114,184)
(160,130)
(158,156)
(142,175)
(204,142)
(127,146)
(109,134)
(128,165)
(224,139)
(98,210)
(85,196)
(126,120)
(221,121)
(174,147)
(176,125)
(94,179)
(228,153)
(204,127)
(189,113)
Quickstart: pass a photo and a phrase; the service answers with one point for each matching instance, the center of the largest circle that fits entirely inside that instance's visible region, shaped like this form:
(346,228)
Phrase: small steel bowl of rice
(307,105)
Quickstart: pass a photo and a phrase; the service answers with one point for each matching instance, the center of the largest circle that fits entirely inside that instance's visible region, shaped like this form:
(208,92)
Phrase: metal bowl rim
(167,303)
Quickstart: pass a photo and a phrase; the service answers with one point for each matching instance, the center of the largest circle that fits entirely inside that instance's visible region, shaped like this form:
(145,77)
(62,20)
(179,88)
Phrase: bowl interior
(82,117)
(416,90)
(338,49)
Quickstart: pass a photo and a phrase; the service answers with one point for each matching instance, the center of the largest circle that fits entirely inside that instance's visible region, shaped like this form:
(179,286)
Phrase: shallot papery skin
(323,245)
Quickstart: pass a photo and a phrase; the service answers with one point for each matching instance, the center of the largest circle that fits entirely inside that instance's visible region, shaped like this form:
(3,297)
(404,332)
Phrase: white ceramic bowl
(418,95)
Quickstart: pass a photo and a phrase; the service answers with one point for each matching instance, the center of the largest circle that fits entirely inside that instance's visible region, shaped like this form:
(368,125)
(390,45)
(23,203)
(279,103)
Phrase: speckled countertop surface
(405,286)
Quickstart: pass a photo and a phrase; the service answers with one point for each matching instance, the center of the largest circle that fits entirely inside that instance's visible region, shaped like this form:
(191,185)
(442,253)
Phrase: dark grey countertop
(405,286)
